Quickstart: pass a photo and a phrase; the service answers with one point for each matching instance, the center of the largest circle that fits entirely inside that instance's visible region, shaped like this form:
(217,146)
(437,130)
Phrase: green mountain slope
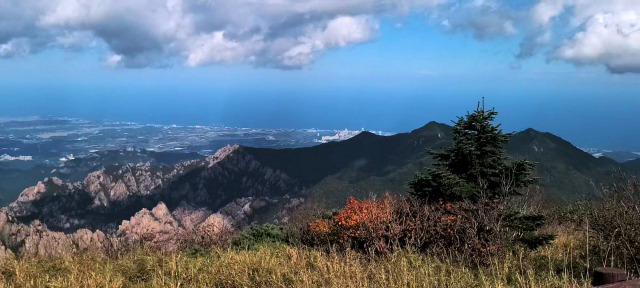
(360,166)
(370,164)
(565,171)
(632,166)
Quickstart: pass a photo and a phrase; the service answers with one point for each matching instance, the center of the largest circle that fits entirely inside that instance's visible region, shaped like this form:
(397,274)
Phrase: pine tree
(476,167)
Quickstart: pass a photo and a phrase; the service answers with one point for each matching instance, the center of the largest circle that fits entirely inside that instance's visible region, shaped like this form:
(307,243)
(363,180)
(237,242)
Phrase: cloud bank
(601,32)
(290,34)
(274,33)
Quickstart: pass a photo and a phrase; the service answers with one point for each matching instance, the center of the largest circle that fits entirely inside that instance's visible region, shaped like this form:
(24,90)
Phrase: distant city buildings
(339,136)
(6,157)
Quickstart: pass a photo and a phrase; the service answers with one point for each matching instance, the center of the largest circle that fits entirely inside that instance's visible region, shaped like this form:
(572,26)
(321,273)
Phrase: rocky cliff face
(36,239)
(107,197)
(135,203)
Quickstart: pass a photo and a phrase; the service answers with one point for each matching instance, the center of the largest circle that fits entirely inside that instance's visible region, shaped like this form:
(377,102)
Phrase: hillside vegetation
(470,220)
(286,266)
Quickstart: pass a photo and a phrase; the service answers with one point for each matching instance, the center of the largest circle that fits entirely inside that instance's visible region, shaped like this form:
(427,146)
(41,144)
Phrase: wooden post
(605,275)
(623,284)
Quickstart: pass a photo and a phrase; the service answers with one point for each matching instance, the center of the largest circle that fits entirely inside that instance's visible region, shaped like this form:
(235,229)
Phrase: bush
(614,225)
(294,226)
(197,242)
(385,225)
(255,236)
(364,225)
(524,227)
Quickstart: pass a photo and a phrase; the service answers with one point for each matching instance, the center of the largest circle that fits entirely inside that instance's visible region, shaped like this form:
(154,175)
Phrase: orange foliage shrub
(361,224)
(380,226)
(321,226)
(359,216)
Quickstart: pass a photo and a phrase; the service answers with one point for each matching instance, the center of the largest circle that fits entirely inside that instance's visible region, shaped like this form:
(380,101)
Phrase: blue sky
(403,72)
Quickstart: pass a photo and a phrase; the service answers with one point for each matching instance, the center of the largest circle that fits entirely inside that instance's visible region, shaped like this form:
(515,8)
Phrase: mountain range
(241,185)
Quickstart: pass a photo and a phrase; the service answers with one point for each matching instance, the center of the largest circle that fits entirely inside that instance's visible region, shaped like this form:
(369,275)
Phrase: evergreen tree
(476,167)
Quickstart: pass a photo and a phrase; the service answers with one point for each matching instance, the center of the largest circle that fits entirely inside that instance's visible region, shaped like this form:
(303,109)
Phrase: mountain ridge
(241,185)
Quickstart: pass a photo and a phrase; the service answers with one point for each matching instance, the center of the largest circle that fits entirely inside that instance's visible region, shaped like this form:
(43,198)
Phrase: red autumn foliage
(380,226)
(357,216)
(321,226)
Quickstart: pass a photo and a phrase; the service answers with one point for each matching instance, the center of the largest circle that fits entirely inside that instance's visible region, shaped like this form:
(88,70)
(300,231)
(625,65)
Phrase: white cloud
(113,60)
(533,42)
(545,10)
(482,18)
(586,9)
(215,48)
(274,33)
(612,39)
(345,30)
(339,32)
(15,47)
(75,40)
(590,33)
(290,34)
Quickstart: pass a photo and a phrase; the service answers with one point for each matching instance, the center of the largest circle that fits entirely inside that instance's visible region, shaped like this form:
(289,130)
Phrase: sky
(570,67)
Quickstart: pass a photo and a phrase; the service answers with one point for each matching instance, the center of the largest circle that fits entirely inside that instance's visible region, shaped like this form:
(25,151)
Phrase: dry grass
(285,266)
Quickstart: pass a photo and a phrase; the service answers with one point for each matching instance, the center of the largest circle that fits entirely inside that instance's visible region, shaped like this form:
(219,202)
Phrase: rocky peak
(157,226)
(47,186)
(162,229)
(221,154)
(190,216)
(120,184)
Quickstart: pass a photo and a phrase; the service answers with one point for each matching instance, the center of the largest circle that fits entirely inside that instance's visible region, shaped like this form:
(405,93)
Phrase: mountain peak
(364,135)
(222,153)
(530,130)
(432,126)
(433,129)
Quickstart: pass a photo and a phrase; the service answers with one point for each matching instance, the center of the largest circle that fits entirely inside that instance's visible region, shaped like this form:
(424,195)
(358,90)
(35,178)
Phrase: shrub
(364,225)
(524,227)
(294,226)
(197,242)
(382,226)
(614,225)
(255,236)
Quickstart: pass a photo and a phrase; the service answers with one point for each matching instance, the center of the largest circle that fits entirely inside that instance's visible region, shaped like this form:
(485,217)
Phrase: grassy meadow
(561,264)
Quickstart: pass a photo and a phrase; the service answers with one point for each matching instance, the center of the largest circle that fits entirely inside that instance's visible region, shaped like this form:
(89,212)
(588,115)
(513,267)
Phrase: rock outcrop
(156,227)
(190,217)
(161,229)
(94,242)
(214,224)
(192,190)
(4,252)
(159,206)
(47,243)
(36,239)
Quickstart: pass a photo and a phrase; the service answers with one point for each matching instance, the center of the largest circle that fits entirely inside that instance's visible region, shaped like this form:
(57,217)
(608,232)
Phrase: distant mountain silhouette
(621,156)
(632,166)
(565,171)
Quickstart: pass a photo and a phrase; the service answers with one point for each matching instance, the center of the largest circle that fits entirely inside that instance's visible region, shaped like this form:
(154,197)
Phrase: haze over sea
(606,128)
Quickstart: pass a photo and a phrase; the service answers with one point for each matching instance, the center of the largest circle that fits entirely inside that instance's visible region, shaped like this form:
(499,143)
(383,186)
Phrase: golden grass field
(559,265)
